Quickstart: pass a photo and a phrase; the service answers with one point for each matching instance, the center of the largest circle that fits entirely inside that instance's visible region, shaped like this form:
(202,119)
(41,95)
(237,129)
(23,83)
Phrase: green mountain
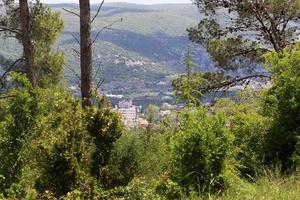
(137,56)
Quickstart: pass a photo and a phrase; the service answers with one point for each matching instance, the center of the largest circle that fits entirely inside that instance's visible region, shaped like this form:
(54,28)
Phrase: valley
(137,57)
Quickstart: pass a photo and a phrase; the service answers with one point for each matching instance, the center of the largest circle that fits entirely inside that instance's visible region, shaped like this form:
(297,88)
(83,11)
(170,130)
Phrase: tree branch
(7,29)
(7,71)
(98,11)
(74,72)
(101,80)
(76,51)
(104,28)
(231,83)
(75,38)
(71,12)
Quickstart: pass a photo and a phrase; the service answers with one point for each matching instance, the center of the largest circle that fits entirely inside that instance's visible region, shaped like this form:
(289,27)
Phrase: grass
(270,187)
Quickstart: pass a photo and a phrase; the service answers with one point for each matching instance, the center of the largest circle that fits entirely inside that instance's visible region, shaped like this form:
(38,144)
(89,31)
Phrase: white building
(128,112)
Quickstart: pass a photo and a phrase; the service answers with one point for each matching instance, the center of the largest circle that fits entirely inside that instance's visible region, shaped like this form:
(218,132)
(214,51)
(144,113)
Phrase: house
(128,112)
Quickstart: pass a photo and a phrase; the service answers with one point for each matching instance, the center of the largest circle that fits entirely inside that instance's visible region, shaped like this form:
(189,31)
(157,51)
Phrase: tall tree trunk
(26,40)
(85,52)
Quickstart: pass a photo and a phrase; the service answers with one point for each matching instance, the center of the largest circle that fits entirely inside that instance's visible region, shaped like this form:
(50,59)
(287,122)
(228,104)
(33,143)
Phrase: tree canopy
(239,31)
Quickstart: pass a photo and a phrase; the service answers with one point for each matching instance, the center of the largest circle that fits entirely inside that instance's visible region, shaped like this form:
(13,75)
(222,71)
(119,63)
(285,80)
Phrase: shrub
(105,128)
(140,189)
(170,190)
(137,155)
(249,128)
(125,159)
(282,103)
(58,155)
(15,129)
(200,149)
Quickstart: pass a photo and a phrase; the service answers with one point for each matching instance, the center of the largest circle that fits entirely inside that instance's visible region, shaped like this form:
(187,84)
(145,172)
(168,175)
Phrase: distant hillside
(145,49)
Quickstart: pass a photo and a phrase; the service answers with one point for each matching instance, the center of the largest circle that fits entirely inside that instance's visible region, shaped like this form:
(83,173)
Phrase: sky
(128,1)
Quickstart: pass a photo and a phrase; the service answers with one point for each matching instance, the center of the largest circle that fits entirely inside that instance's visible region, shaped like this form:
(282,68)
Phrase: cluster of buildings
(132,116)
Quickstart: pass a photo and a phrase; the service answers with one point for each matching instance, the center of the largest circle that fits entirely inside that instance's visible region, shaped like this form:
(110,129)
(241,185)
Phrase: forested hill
(137,53)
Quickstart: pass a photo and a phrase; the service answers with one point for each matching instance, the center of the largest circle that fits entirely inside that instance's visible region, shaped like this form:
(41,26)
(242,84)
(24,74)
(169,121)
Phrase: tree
(238,32)
(152,113)
(260,25)
(85,52)
(190,87)
(86,44)
(45,27)
(152,116)
(26,34)
(184,84)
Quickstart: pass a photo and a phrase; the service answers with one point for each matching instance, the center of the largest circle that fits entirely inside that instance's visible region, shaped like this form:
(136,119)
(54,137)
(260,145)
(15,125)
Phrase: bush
(282,103)
(200,149)
(140,189)
(137,155)
(68,148)
(170,190)
(249,128)
(125,159)
(105,128)
(58,155)
(15,129)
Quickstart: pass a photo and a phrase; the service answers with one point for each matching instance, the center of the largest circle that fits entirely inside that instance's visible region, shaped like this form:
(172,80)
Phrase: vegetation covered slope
(135,54)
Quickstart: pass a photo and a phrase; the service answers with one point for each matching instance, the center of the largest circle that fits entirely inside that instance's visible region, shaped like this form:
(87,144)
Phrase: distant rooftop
(125,104)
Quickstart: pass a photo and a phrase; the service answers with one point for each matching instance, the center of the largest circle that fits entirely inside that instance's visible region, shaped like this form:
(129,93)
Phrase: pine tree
(85,52)
(42,27)
(26,34)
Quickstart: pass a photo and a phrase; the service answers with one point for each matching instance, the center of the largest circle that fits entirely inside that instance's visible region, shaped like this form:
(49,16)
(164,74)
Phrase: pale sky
(128,1)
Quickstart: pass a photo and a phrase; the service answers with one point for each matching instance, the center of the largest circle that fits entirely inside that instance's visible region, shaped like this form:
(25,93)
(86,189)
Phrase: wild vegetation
(56,146)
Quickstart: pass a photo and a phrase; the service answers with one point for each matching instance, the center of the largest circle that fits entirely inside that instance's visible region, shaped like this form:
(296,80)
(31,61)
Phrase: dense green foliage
(59,153)
(282,103)
(272,23)
(206,138)
(247,147)
(61,150)
(17,121)
(249,128)
(46,28)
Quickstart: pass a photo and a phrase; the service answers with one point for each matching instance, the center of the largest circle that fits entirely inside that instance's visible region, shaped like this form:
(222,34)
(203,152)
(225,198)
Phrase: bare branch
(98,11)
(76,51)
(9,70)
(100,83)
(75,38)
(7,29)
(106,28)
(74,72)
(98,70)
(232,82)
(101,80)
(71,12)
